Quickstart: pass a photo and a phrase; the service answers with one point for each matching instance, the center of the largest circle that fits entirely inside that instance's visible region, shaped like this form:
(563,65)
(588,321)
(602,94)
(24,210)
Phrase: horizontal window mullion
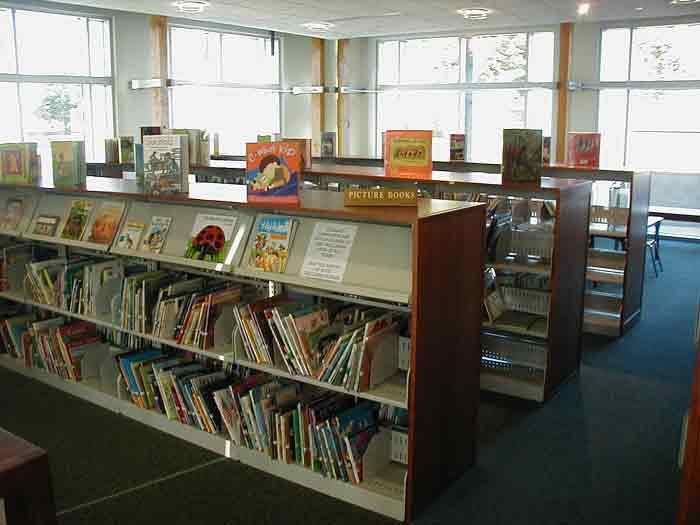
(227,85)
(55,79)
(469,86)
(642,84)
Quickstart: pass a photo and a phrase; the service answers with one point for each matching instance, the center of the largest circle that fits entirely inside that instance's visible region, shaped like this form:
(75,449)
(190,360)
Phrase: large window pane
(491,112)
(102,123)
(195,54)
(666,53)
(201,107)
(388,62)
(430,61)
(9,109)
(540,64)
(539,111)
(50,44)
(7,43)
(249,60)
(612,115)
(498,58)
(439,111)
(664,129)
(100,49)
(615,55)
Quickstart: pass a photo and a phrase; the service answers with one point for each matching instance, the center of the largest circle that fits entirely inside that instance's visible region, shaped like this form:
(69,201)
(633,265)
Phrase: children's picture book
(546,151)
(457,147)
(126,150)
(106,223)
(409,154)
(150,130)
(166,164)
(157,234)
(306,149)
(78,217)
(131,235)
(111,151)
(273,172)
(584,149)
(522,156)
(328,139)
(68,162)
(19,163)
(46,225)
(211,238)
(493,299)
(273,241)
(14,211)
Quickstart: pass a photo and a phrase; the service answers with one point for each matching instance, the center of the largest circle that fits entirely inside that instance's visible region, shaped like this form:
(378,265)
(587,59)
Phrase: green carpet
(603,450)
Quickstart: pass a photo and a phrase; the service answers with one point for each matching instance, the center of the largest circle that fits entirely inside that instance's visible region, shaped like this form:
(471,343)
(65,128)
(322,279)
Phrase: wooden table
(25,483)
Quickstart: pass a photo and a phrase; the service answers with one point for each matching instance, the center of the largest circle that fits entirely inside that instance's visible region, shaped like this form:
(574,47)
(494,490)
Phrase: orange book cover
(409,154)
(273,172)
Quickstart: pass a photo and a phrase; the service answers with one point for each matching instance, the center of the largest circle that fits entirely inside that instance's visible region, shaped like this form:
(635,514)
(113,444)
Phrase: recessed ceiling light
(191,6)
(639,9)
(393,13)
(475,13)
(583,9)
(684,2)
(318,26)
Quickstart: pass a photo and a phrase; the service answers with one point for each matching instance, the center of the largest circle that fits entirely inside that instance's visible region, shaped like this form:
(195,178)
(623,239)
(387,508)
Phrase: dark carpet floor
(603,450)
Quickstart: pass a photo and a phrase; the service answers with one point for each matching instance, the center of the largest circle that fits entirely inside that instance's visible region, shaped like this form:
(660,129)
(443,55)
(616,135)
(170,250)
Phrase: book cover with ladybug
(273,172)
(211,238)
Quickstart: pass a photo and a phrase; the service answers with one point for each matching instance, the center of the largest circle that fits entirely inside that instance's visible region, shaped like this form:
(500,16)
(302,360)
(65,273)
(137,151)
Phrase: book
(273,172)
(46,225)
(493,299)
(126,150)
(522,156)
(130,236)
(546,151)
(583,149)
(328,141)
(68,161)
(150,130)
(157,233)
(111,151)
(457,147)
(78,217)
(211,238)
(166,164)
(409,154)
(273,241)
(106,222)
(305,145)
(14,211)
(19,163)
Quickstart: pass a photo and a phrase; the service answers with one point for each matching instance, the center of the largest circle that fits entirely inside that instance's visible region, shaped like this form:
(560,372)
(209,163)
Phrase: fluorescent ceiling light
(474,13)
(318,26)
(191,6)
(684,2)
(583,9)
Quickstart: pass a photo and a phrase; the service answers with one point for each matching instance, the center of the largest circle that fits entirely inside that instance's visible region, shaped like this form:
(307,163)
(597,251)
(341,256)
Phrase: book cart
(536,345)
(615,275)
(421,262)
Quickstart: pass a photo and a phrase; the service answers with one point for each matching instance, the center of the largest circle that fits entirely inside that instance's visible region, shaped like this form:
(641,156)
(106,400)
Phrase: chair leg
(657,256)
(650,251)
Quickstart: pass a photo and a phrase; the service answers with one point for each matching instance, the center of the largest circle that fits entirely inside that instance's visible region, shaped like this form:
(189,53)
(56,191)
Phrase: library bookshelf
(419,262)
(615,275)
(531,362)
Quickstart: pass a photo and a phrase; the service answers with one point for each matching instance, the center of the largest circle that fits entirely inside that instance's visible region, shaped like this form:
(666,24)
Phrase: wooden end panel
(636,248)
(568,285)
(448,264)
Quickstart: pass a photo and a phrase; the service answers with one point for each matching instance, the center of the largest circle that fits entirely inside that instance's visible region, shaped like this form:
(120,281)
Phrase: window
(242,99)
(61,91)
(658,126)
(477,85)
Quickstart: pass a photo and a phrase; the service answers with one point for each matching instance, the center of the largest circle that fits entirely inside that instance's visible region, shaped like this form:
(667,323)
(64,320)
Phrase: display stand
(425,261)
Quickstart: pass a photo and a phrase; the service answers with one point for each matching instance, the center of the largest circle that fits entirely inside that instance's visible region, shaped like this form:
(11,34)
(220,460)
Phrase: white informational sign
(328,252)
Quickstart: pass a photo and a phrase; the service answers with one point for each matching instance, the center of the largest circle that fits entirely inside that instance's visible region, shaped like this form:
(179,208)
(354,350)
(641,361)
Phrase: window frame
(634,85)
(18,78)
(469,87)
(221,30)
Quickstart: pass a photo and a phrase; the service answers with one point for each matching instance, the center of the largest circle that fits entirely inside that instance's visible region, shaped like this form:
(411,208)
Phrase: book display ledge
(417,262)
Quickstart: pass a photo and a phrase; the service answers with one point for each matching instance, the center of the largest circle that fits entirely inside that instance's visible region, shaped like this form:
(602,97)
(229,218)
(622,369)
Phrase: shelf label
(328,251)
(381,197)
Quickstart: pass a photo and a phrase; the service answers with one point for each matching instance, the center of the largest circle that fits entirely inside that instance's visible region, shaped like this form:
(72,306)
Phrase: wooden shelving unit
(550,350)
(616,306)
(436,278)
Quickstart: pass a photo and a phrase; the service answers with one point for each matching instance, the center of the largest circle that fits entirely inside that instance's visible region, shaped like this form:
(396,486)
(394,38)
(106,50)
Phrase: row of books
(329,341)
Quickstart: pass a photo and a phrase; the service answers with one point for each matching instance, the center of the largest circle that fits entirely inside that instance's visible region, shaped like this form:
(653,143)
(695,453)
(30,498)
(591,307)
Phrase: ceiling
(359,18)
